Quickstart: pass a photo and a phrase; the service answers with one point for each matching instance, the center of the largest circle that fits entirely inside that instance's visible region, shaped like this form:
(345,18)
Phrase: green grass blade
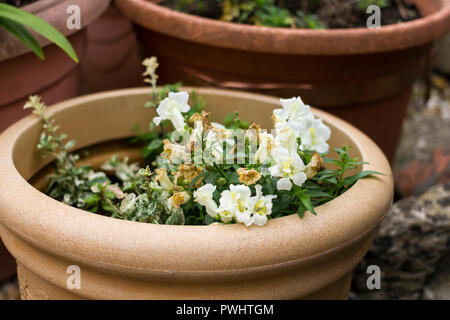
(21,33)
(38,25)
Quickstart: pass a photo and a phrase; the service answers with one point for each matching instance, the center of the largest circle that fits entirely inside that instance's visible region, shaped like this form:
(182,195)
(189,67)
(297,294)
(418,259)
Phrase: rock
(423,156)
(409,243)
(438,287)
(442,62)
(9,291)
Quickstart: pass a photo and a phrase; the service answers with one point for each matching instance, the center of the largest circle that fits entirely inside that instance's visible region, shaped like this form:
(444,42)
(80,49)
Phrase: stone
(408,246)
(9,291)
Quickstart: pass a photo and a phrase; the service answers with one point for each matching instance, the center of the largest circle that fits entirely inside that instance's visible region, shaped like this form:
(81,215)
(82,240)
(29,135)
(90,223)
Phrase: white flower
(294,112)
(260,207)
(204,196)
(163,179)
(171,108)
(285,137)
(264,152)
(232,203)
(289,167)
(315,137)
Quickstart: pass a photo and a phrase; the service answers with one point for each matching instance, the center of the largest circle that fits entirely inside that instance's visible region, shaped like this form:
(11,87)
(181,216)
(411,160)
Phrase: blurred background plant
(15,21)
(310,14)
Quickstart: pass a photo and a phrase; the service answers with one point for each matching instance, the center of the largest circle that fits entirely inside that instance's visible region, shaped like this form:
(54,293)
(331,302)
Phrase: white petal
(297,162)
(157,120)
(181,98)
(299,178)
(274,171)
(260,220)
(284,184)
(244,217)
(321,147)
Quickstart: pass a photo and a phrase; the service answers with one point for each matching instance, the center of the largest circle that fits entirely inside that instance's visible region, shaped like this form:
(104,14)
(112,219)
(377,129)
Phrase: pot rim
(290,41)
(128,246)
(11,47)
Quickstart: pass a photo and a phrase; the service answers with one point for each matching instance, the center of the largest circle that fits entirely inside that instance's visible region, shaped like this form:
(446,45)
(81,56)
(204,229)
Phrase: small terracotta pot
(363,76)
(55,79)
(112,57)
(289,258)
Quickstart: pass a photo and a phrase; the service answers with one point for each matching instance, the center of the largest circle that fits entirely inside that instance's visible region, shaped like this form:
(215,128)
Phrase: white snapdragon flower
(259,207)
(232,204)
(171,108)
(315,137)
(204,196)
(294,112)
(264,152)
(285,137)
(289,167)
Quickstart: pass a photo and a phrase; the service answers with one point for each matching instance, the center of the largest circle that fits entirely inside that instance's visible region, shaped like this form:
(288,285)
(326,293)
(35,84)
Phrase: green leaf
(318,194)
(92,199)
(21,33)
(352,179)
(70,144)
(306,201)
(38,25)
(209,220)
(154,145)
(301,211)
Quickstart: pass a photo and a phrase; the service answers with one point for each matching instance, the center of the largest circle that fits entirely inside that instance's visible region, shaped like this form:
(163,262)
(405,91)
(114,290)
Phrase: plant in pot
(213,211)
(361,75)
(21,72)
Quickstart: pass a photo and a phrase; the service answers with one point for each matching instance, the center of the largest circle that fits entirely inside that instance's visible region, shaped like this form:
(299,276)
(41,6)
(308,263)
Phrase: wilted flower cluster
(203,172)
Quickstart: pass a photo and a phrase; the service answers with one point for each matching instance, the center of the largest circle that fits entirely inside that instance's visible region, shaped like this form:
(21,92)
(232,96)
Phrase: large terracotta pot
(55,79)
(288,258)
(363,76)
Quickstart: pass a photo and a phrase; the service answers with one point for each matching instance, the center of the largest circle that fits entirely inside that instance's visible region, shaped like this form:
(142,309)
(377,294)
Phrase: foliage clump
(201,172)
(309,14)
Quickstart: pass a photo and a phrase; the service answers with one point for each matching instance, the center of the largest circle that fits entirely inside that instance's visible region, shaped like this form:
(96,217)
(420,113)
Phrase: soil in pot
(298,14)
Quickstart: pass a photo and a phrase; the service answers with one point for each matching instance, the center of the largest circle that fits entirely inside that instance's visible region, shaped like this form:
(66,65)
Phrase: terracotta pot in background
(364,76)
(286,259)
(112,57)
(56,78)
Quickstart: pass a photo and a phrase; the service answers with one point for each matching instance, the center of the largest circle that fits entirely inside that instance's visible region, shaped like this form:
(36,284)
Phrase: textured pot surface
(363,76)
(56,78)
(288,258)
(102,70)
